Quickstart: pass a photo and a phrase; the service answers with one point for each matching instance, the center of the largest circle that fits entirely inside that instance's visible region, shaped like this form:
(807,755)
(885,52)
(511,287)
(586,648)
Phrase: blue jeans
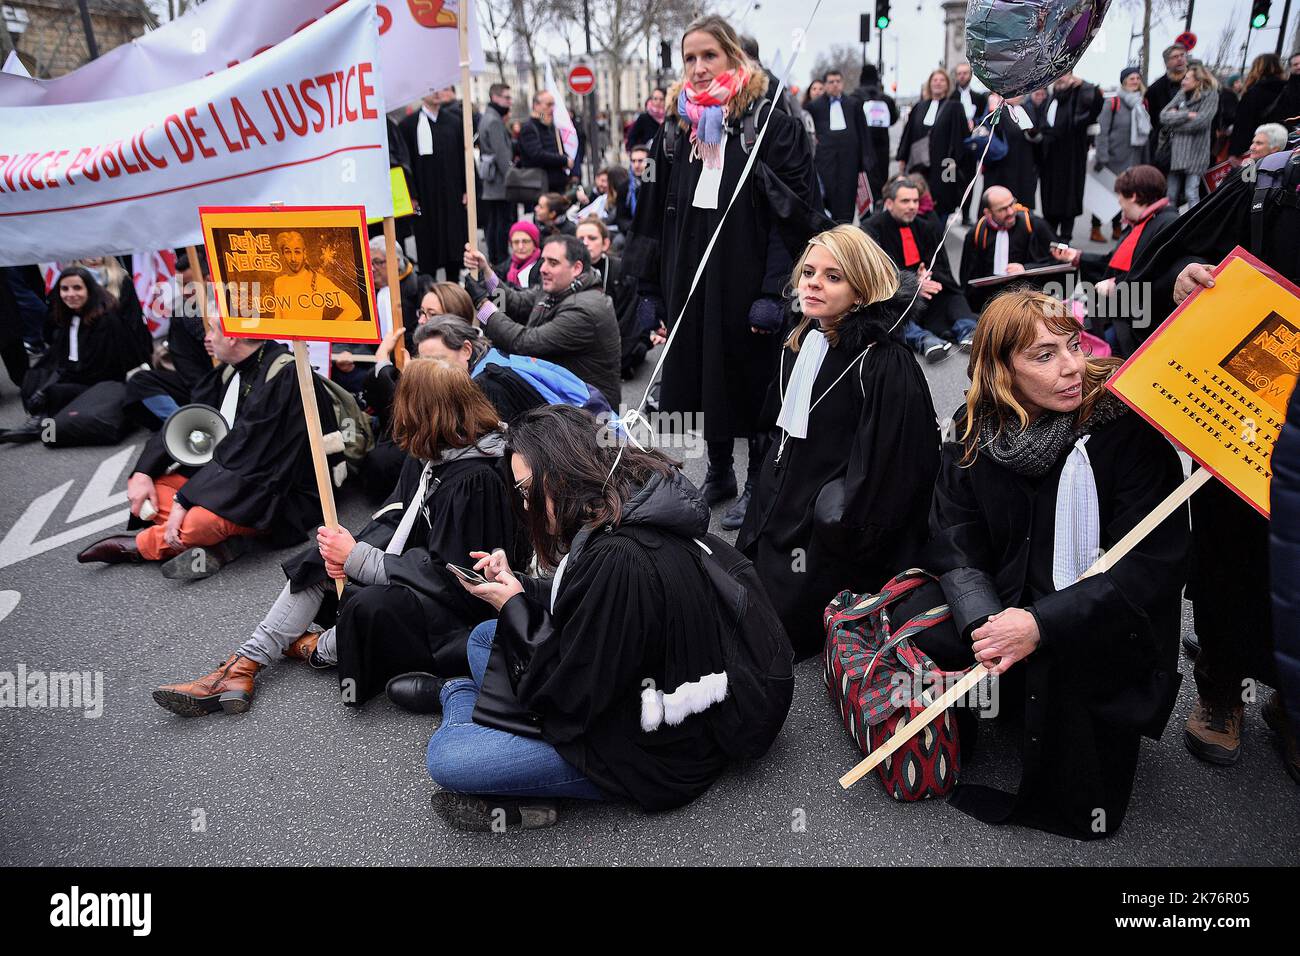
(469,758)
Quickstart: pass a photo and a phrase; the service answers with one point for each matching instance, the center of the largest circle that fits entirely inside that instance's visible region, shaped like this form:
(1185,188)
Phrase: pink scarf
(706,112)
(657,113)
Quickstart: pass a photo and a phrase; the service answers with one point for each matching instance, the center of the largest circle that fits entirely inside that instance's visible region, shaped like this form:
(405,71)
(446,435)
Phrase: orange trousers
(200,528)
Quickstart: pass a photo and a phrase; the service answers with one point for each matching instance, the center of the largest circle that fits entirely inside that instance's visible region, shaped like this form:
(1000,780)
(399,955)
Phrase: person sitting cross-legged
(259,481)
(403,610)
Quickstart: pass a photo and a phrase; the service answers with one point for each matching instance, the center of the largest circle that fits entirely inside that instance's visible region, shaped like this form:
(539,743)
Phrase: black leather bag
(525,183)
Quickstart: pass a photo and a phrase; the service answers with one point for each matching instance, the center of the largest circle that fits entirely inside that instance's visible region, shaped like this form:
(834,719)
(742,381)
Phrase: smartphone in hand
(466,574)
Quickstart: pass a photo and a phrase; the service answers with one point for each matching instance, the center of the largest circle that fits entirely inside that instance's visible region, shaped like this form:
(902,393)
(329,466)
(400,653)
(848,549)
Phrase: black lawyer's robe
(841,154)
(1065,151)
(938,313)
(717,366)
(440,229)
(846,506)
(261,474)
(625,602)
(946,136)
(467,507)
(1018,170)
(1106,670)
(1029,244)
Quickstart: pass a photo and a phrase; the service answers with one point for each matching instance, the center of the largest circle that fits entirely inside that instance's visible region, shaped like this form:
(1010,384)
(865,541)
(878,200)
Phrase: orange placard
(1217,375)
(292,272)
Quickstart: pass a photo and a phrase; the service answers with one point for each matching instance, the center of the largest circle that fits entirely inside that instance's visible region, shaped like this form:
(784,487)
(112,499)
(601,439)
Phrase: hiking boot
(734,516)
(465,811)
(1275,716)
(229,688)
(1213,732)
(719,485)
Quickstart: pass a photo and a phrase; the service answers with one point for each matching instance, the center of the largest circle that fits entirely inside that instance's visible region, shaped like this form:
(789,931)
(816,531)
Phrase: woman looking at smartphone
(404,609)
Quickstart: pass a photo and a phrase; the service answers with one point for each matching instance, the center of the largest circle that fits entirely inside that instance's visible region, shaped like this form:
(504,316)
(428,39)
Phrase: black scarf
(1033,451)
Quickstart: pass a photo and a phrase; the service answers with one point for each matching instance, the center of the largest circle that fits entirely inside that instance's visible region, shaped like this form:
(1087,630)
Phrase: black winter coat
(718,368)
(1106,670)
(1284,500)
(846,506)
(539,146)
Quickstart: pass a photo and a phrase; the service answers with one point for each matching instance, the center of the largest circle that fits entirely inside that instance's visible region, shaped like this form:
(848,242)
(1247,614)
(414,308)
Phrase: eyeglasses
(427,313)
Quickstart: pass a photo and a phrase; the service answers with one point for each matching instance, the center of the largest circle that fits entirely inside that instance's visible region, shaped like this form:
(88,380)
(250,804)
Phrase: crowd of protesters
(801,277)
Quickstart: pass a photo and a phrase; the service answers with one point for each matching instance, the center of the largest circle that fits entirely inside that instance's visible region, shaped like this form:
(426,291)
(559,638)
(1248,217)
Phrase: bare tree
(494,17)
(845,58)
(1225,54)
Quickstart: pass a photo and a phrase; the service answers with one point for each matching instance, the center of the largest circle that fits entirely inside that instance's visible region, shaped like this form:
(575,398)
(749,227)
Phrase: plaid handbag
(880,680)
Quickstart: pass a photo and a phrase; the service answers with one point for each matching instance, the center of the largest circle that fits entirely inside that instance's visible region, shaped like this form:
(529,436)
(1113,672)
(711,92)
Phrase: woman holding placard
(1047,470)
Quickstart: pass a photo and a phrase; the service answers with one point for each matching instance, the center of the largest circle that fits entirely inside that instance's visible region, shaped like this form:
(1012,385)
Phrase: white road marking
(8,601)
(23,539)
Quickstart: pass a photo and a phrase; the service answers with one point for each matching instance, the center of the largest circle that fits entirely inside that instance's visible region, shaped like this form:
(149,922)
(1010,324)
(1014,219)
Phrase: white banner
(301,124)
(419,50)
(562,120)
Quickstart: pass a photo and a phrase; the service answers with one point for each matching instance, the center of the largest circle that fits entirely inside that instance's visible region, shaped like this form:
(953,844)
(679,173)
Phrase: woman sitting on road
(843,492)
(630,609)
(407,613)
(1048,470)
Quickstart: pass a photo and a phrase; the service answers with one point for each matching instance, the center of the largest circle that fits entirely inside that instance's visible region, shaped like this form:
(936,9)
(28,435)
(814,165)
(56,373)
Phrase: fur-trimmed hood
(873,324)
(745,99)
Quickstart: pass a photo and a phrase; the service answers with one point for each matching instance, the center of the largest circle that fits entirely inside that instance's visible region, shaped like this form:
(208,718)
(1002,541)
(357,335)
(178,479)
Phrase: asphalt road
(301,779)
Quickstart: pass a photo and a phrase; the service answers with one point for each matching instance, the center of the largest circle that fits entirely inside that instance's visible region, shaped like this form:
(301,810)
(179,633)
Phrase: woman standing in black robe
(1091,662)
(1073,107)
(404,610)
(932,133)
(845,487)
(724,355)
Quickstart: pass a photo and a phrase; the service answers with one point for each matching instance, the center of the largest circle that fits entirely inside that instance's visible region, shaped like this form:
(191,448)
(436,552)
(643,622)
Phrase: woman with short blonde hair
(842,496)
(1048,470)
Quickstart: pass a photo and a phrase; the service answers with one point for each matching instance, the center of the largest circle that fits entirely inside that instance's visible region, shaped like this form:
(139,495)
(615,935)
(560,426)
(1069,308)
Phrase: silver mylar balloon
(1016,46)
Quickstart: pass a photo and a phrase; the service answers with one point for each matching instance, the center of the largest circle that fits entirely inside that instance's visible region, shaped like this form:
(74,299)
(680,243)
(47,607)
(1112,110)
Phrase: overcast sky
(918,29)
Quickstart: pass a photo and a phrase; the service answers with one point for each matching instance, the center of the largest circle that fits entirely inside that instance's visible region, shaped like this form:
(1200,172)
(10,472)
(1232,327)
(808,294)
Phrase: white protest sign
(301,124)
(418,50)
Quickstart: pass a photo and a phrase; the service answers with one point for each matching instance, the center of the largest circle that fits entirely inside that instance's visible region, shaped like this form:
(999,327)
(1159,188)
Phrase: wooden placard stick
(1107,561)
(324,486)
(196,266)
(394,291)
(467,129)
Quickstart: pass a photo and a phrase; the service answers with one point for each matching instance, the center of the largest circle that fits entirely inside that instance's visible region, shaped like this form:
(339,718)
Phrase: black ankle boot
(719,485)
(735,515)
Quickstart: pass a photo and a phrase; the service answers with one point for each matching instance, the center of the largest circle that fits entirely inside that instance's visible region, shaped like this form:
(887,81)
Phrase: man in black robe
(1074,106)
(1008,239)
(973,104)
(1018,170)
(436,147)
(879,112)
(1229,588)
(259,481)
(941,308)
(842,146)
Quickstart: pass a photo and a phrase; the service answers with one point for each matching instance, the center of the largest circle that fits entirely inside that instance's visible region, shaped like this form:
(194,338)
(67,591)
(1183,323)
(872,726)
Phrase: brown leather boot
(229,688)
(301,649)
(1096,235)
(1117,233)
(1213,732)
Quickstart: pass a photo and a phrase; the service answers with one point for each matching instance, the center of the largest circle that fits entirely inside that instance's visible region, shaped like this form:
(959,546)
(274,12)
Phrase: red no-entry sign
(581,79)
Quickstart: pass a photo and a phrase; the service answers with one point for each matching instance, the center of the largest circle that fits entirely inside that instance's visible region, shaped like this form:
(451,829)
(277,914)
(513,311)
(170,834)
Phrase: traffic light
(665,55)
(864,28)
(882,14)
(1259,14)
